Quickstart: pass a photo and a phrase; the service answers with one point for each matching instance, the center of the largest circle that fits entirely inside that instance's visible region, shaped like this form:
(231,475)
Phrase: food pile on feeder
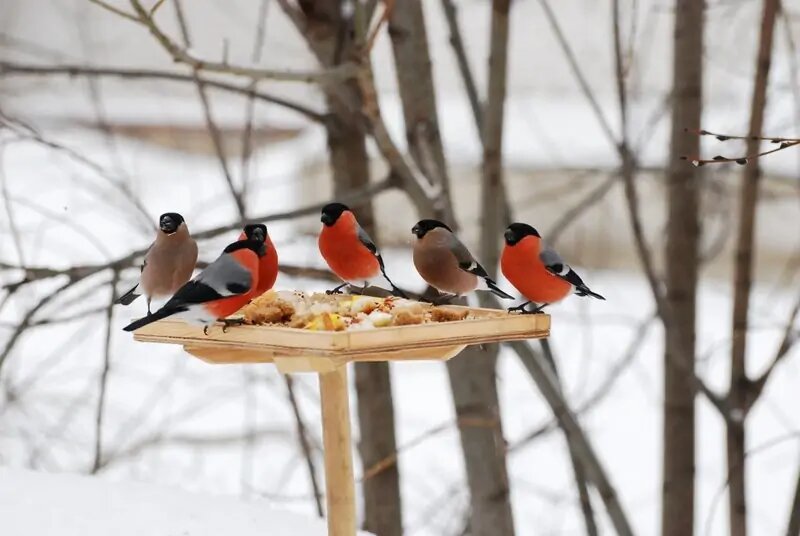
(323,312)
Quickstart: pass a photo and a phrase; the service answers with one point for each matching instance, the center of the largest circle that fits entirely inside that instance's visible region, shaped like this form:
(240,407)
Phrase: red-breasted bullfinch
(225,286)
(349,251)
(168,264)
(268,263)
(537,271)
(446,264)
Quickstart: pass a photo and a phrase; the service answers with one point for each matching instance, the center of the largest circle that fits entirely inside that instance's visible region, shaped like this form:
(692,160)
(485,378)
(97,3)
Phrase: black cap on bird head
(331,213)
(423,226)
(169,222)
(517,231)
(256,231)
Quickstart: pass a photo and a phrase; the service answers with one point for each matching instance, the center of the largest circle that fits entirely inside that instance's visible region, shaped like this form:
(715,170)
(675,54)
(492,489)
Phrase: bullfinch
(349,251)
(268,263)
(224,287)
(537,271)
(446,264)
(168,264)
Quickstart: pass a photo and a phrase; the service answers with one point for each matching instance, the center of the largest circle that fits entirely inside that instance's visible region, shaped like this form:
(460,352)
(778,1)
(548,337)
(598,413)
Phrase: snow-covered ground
(38,504)
(176,421)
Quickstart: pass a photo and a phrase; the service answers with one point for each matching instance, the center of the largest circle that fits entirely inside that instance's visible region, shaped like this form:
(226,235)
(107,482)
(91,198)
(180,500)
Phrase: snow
(171,420)
(40,504)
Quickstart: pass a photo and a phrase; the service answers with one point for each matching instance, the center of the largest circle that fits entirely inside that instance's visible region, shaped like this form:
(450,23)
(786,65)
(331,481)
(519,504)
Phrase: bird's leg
(337,290)
(443,299)
(205,330)
(148,306)
(364,288)
(228,322)
(537,311)
(519,308)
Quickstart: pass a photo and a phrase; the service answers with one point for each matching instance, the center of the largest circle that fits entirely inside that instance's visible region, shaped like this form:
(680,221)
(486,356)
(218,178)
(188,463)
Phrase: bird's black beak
(416,231)
(258,234)
(510,237)
(326,219)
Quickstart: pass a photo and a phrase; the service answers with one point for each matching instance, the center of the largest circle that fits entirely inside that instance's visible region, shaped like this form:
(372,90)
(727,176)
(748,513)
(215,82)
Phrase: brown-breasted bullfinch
(168,264)
(222,288)
(446,264)
(537,271)
(348,250)
(268,263)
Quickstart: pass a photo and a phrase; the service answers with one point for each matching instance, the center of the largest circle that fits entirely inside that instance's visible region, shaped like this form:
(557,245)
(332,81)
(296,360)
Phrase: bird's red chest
(267,268)
(523,269)
(345,254)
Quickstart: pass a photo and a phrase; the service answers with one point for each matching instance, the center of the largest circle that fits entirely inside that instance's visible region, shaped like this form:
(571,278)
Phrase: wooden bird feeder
(327,353)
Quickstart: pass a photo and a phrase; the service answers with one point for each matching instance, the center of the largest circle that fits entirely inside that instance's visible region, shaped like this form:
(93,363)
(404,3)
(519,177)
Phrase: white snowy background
(172,420)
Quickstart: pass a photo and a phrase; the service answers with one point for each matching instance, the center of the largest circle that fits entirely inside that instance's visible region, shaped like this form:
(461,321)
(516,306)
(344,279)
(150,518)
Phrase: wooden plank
(492,326)
(340,493)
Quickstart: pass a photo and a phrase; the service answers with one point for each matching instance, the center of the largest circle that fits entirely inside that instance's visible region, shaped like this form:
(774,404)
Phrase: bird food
(323,312)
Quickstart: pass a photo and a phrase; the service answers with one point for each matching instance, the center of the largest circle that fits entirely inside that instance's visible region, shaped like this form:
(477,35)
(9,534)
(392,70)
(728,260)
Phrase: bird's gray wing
(465,259)
(222,278)
(556,266)
(364,238)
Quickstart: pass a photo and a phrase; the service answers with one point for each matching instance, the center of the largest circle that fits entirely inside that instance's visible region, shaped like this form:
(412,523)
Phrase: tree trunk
(382,515)
(683,235)
(743,274)
(332,38)
(472,379)
(415,83)
(472,375)
(793,526)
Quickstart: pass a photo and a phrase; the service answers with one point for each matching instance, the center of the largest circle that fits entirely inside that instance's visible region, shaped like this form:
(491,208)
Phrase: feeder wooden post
(327,353)
(339,483)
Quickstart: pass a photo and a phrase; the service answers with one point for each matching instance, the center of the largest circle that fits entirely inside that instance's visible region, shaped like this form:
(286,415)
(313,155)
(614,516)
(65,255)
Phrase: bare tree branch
(8,68)
(182,55)
(743,275)
(213,131)
(101,398)
(305,445)
(548,387)
(790,337)
(451,15)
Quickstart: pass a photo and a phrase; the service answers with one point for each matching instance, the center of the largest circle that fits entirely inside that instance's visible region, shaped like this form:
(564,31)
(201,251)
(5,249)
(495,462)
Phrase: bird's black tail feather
(497,291)
(158,315)
(583,290)
(128,297)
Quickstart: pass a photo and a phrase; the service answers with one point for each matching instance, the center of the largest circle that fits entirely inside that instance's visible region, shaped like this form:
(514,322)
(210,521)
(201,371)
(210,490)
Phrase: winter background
(88,163)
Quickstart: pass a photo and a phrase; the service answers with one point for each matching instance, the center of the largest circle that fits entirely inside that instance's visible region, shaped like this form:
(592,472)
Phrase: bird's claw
(228,322)
(205,331)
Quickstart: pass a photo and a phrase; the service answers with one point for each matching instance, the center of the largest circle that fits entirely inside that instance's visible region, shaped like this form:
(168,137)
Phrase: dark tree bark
(472,375)
(743,275)
(473,382)
(335,39)
(683,235)
(415,83)
(793,526)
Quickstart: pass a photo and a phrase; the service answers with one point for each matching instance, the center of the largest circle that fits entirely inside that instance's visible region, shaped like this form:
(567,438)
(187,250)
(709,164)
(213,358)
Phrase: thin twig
(790,337)
(213,131)
(467,77)
(182,55)
(8,68)
(115,10)
(388,6)
(101,398)
(305,445)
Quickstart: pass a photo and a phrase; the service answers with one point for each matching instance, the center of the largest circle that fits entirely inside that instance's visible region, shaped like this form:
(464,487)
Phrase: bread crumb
(445,314)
